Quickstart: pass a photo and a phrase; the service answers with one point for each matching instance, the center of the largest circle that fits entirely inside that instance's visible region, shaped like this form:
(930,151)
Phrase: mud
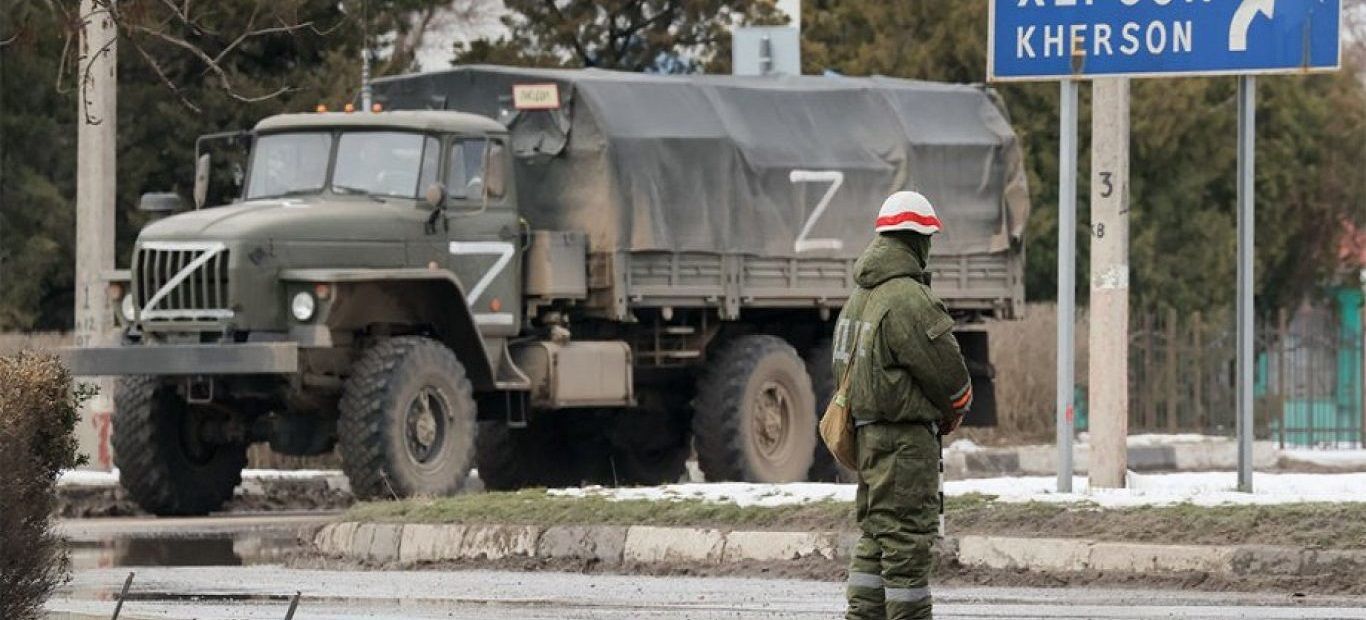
(82,502)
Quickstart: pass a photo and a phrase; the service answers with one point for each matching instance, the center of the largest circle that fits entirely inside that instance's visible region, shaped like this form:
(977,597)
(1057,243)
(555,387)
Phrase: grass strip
(1314,525)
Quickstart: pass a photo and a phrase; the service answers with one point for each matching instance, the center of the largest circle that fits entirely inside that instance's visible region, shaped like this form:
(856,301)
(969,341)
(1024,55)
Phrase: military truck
(595,273)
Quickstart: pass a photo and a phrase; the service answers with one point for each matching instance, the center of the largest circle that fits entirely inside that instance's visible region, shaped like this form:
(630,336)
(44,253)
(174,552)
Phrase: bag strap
(849,366)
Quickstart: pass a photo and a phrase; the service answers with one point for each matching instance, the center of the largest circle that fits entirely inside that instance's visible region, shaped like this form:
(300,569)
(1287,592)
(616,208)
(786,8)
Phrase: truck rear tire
(163,463)
(407,421)
(517,458)
(649,445)
(818,365)
(754,416)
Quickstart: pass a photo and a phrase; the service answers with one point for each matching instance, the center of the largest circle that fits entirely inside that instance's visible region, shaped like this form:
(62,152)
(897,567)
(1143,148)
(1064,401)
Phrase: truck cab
(355,233)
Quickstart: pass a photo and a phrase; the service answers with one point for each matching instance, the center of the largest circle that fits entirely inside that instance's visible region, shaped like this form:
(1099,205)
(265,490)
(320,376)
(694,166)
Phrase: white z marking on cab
(835,178)
(504,251)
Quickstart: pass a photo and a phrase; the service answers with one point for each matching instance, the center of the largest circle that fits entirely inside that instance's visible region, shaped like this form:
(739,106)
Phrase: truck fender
(432,298)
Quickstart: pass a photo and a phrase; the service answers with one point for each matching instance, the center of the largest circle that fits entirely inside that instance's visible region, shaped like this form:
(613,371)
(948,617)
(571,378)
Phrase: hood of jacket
(902,254)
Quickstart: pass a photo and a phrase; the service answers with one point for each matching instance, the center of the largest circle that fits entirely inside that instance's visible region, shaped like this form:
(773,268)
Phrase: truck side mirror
(201,180)
(435,196)
(160,204)
(495,174)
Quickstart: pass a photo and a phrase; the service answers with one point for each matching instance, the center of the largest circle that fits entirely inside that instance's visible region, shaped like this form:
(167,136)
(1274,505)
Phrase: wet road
(263,592)
(221,568)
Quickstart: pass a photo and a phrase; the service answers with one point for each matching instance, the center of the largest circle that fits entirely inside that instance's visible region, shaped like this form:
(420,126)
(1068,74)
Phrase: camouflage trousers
(898,511)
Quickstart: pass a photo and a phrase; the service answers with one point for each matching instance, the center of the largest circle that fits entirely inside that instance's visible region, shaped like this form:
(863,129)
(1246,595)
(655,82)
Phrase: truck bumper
(252,358)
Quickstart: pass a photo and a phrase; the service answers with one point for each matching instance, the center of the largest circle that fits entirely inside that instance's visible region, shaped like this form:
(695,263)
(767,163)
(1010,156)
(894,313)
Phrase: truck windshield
(289,163)
(384,163)
(376,163)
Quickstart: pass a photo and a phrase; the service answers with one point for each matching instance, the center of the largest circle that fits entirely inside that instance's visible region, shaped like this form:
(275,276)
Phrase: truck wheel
(517,458)
(407,420)
(164,462)
(649,466)
(755,414)
(818,365)
(649,445)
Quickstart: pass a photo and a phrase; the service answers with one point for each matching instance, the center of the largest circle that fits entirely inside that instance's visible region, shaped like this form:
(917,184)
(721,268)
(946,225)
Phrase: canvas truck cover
(744,165)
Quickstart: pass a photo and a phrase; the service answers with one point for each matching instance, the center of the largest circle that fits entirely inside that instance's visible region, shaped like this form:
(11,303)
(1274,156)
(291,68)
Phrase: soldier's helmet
(908,211)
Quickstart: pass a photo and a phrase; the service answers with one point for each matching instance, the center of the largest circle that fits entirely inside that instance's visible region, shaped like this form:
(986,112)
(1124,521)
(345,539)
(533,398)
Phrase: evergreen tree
(1311,148)
(664,36)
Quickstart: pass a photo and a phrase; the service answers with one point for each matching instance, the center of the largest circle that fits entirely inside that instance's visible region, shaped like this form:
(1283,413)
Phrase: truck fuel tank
(577,374)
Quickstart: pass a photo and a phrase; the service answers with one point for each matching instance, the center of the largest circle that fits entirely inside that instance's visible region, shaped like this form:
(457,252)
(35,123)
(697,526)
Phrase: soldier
(909,387)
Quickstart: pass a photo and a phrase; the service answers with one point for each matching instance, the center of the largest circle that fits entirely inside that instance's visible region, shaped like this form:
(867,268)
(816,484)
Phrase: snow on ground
(73,477)
(83,478)
(742,493)
(1155,439)
(1328,458)
(1205,489)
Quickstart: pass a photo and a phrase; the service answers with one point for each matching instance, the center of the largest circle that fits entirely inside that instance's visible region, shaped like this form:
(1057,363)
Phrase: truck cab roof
(445,121)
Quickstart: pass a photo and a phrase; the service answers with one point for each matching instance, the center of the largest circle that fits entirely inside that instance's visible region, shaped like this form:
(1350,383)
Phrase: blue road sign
(1055,39)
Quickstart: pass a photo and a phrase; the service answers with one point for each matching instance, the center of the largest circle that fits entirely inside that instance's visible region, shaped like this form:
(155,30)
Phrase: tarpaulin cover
(742,164)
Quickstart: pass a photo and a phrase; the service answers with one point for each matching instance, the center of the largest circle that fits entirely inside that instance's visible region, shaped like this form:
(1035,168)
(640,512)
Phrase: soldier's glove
(950,422)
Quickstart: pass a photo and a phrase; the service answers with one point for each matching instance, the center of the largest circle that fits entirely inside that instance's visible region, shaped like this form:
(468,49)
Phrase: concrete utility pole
(1108,391)
(97,119)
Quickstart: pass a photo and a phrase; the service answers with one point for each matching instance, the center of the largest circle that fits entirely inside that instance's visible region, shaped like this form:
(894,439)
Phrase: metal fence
(1309,376)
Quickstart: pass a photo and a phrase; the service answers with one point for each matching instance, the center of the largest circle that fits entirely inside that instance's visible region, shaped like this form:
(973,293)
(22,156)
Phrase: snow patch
(1328,458)
(75,477)
(1204,489)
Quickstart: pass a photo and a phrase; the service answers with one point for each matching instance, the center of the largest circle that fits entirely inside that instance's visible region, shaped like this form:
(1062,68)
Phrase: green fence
(1311,366)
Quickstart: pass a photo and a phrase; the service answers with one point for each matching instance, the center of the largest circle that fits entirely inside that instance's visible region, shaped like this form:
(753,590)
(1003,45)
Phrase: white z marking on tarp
(835,178)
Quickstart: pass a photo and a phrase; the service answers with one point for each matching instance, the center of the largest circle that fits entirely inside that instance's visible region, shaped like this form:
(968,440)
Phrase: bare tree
(168,35)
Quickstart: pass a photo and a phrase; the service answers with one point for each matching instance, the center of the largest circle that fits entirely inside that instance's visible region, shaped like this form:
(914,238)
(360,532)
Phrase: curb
(412,543)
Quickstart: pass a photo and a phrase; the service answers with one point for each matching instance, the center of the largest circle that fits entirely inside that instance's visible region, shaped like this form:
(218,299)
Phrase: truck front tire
(819,360)
(754,416)
(407,421)
(164,463)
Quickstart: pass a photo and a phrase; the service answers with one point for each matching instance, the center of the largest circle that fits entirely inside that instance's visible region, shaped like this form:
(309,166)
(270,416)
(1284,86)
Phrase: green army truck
(595,274)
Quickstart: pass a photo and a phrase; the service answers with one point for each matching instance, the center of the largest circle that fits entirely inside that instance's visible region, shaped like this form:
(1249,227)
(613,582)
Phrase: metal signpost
(1069,40)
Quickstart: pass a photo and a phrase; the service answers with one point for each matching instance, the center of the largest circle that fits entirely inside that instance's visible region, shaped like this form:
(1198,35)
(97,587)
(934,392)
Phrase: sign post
(1067,280)
(1070,40)
(1247,157)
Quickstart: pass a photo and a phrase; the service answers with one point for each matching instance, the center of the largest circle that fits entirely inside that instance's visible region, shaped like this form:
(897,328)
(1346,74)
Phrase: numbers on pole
(1107,184)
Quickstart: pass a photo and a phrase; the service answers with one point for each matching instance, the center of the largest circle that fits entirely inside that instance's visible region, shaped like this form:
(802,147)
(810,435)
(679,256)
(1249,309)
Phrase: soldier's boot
(906,563)
(864,591)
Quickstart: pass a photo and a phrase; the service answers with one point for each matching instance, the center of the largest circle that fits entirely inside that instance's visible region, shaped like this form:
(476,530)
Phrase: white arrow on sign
(1242,21)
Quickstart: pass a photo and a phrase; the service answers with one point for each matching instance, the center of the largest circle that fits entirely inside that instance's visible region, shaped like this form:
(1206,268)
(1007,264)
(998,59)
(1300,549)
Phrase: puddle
(208,550)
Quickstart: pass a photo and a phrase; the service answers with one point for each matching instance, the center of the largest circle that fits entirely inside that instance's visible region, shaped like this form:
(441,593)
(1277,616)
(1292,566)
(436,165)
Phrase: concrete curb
(411,543)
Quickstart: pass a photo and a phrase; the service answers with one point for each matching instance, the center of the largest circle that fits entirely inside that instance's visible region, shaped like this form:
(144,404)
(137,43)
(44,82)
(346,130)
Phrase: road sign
(1055,39)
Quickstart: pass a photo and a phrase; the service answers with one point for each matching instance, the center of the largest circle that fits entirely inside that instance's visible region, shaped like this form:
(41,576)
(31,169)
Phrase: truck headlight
(303,306)
(128,308)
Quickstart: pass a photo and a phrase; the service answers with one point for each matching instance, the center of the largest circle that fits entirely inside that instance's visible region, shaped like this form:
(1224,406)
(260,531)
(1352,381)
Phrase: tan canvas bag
(837,425)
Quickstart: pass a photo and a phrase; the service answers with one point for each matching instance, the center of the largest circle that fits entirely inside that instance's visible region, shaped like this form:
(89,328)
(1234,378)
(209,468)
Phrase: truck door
(484,239)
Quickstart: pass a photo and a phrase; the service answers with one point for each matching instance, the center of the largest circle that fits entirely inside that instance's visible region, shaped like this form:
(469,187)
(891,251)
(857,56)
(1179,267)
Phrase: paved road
(240,581)
(212,593)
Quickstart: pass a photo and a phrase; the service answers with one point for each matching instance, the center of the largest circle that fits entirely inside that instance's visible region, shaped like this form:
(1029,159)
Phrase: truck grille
(181,281)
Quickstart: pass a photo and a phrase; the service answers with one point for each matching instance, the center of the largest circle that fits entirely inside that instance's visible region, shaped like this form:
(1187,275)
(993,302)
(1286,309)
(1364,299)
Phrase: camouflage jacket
(908,367)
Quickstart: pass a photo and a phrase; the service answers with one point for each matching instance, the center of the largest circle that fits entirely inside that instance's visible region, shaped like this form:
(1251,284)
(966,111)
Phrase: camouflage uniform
(909,380)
